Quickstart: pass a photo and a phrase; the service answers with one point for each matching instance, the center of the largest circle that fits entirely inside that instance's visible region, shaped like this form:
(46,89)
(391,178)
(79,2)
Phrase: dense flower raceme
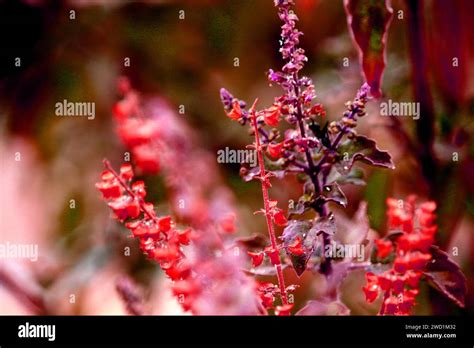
(202,283)
(159,238)
(160,141)
(410,246)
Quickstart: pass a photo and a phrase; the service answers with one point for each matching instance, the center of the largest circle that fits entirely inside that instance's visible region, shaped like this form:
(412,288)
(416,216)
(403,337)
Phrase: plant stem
(325,267)
(266,201)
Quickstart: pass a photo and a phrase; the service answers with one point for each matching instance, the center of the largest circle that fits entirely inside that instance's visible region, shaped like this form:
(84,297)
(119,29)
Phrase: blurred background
(185,51)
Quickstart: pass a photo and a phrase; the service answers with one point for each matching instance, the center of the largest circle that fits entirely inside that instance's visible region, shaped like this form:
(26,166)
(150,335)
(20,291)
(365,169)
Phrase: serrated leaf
(445,275)
(369,22)
(354,176)
(362,149)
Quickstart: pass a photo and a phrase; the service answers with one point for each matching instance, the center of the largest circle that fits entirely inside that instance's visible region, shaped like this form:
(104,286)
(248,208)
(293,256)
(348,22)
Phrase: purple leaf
(362,149)
(248,174)
(293,230)
(369,22)
(444,274)
(334,193)
(308,232)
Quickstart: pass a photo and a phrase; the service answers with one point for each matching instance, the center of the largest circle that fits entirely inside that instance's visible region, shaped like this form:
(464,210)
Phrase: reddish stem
(265,184)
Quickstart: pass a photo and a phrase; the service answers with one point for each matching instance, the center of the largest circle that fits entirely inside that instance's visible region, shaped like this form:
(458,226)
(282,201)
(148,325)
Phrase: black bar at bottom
(163,331)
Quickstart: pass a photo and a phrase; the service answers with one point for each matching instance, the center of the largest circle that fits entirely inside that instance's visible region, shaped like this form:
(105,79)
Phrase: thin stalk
(266,201)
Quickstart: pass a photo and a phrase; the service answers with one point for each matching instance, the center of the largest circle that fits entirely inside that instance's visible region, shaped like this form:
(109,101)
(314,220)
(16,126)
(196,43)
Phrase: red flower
(371,290)
(135,131)
(122,109)
(125,207)
(274,150)
(165,224)
(126,171)
(279,217)
(400,283)
(228,223)
(283,310)
(273,254)
(391,305)
(138,188)
(271,116)
(236,112)
(159,239)
(384,248)
(109,189)
(418,260)
(296,247)
(184,237)
(257,258)
(318,110)
(267,292)
(146,159)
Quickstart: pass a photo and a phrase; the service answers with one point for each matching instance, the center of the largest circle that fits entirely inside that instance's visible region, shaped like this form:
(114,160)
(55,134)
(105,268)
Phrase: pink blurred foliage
(24,220)
(217,285)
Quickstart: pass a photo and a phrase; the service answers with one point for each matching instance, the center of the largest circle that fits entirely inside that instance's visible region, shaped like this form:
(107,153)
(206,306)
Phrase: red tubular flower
(109,189)
(126,171)
(257,258)
(159,239)
(279,217)
(318,110)
(296,247)
(400,284)
(136,131)
(274,150)
(271,116)
(273,254)
(236,112)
